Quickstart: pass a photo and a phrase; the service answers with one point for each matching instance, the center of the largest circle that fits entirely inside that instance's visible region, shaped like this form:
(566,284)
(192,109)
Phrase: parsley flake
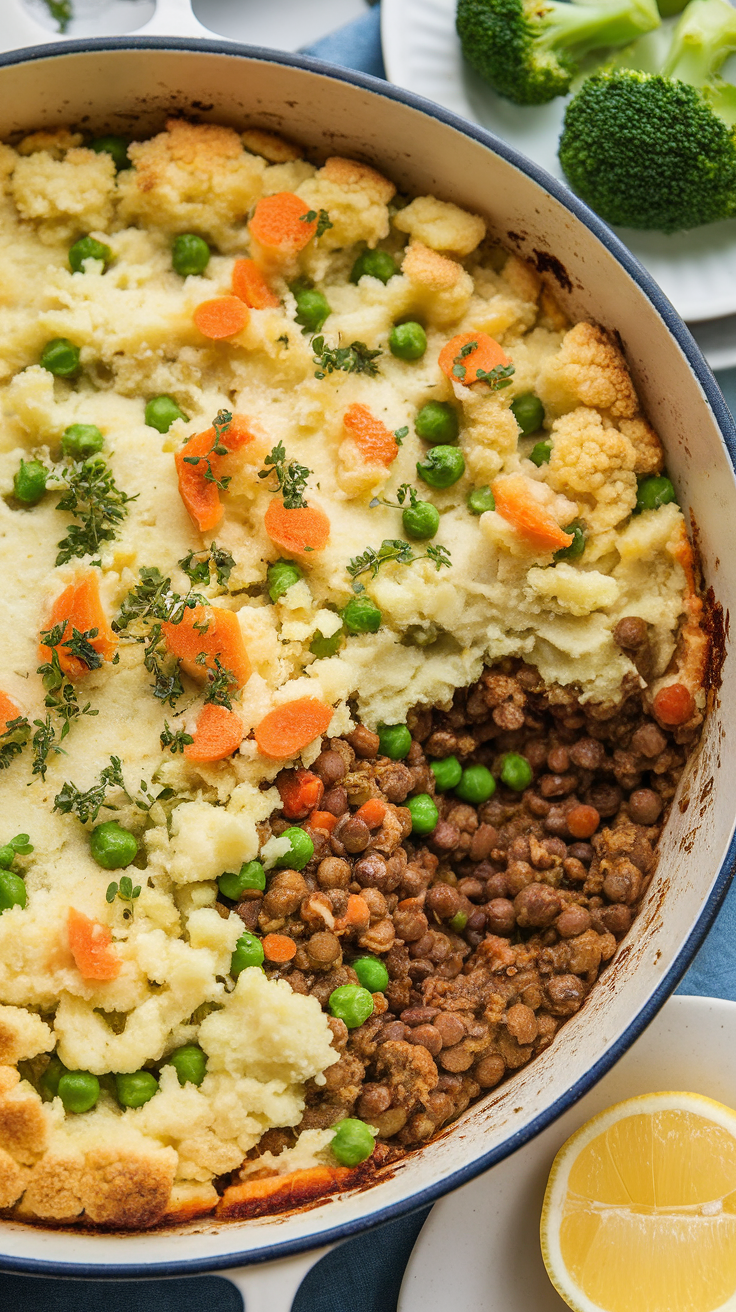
(353,359)
(200,566)
(323,220)
(176,742)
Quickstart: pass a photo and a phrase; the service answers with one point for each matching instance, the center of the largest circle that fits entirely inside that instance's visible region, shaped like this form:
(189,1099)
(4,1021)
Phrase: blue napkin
(356,45)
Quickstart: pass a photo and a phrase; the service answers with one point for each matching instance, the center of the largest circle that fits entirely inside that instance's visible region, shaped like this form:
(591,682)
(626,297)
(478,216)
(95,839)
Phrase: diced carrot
(223,639)
(279,223)
(224,316)
(8,711)
(674,704)
(218,734)
(298,531)
(527,515)
(322,820)
(372,812)
(278,947)
(300,791)
(291,727)
(373,439)
(357,913)
(487,355)
(199,494)
(79,604)
(91,945)
(251,286)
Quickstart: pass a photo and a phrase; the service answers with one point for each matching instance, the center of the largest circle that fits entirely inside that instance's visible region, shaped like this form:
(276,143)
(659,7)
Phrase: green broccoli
(658,150)
(528,50)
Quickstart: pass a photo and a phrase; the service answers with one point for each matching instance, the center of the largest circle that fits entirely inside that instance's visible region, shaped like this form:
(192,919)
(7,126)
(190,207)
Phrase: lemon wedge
(640,1209)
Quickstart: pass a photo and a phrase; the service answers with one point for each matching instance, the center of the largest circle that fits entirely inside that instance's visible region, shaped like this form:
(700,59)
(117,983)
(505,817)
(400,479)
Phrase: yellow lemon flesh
(640,1209)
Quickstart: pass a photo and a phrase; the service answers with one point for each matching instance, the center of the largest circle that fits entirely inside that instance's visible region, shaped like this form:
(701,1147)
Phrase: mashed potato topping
(302,443)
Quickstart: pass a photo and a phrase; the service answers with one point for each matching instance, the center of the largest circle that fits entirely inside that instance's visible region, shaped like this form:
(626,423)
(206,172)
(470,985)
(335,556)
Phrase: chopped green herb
(400,434)
(91,494)
(13,739)
(291,478)
(87,805)
(176,742)
(199,566)
(62,11)
(370,561)
(18,846)
(497,378)
(221,424)
(219,683)
(125,891)
(61,695)
(323,220)
(353,359)
(151,603)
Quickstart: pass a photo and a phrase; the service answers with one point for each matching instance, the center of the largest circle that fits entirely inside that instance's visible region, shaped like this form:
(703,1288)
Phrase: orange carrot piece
(674,704)
(8,711)
(218,734)
(357,912)
(373,439)
(223,639)
(300,792)
(278,947)
(487,356)
(291,727)
(224,316)
(251,286)
(279,223)
(199,494)
(306,529)
(91,945)
(322,820)
(79,604)
(270,1193)
(372,812)
(527,516)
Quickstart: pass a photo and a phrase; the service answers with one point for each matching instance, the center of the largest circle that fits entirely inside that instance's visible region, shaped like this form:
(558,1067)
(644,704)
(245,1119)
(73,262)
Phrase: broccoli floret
(528,50)
(658,150)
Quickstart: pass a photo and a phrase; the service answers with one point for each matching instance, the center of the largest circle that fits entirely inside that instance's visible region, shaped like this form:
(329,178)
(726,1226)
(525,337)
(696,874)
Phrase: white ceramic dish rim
(225,1262)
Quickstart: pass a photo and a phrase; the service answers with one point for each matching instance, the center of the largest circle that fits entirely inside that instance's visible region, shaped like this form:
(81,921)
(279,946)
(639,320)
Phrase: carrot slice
(223,639)
(300,791)
(91,945)
(218,734)
(224,316)
(527,516)
(674,704)
(80,606)
(487,355)
(306,529)
(199,494)
(278,947)
(322,820)
(372,812)
(251,286)
(8,711)
(373,439)
(279,223)
(289,728)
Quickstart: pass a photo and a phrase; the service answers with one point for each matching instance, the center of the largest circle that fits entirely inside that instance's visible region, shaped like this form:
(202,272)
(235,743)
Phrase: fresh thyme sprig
(92,495)
(13,739)
(126,892)
(176,742)
(219,683)
(221,424)
(87,805)
(323,220)
(353,359)
(370,560)
(402,493)
(61,694)
(497,378)
(145,609)
(200,566)
(291,477)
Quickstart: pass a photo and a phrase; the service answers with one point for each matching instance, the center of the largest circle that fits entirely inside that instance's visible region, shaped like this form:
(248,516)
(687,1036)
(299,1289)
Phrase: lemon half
(639,1213)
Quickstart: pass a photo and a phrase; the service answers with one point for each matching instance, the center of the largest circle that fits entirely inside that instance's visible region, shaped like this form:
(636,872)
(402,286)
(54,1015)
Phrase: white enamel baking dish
(130,85)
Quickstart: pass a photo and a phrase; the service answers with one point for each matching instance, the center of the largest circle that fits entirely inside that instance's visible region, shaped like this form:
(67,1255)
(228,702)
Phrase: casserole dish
(130,86)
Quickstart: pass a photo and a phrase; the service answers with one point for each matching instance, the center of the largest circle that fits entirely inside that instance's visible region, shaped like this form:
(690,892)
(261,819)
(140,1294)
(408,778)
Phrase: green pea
(576,547)
(79,441)
(353,1142)
(190,1064)
(528,412)
(540,454)
(443,466)
(516,772)
(248,952)
(135,1088)
(78,1090)
(407,341)
(351,1003)
(320,646)
(480,500)
(437,422)
(161,411)
(394,741)
(447,773)
(29,483)
(424,814)
(301,849)
(654,492)
(378,264)
(112,846)
(476,785)
(372,974)
(312,308)
(88,248)
(361,615)
(12,891)
(250,875)
(282,575)
(49,1081)
(115,146)
(60,357)
(190,254)
(421,520)
(459,921)
(7,856)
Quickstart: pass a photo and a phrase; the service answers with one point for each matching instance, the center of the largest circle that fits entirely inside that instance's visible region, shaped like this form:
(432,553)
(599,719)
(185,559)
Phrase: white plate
(421,50)
(483,1240)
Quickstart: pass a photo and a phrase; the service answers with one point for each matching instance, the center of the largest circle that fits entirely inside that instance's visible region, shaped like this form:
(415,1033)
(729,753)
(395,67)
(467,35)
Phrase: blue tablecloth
(363,1275)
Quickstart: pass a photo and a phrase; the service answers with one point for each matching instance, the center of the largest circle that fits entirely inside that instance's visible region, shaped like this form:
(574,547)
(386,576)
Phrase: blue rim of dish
(727,427)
